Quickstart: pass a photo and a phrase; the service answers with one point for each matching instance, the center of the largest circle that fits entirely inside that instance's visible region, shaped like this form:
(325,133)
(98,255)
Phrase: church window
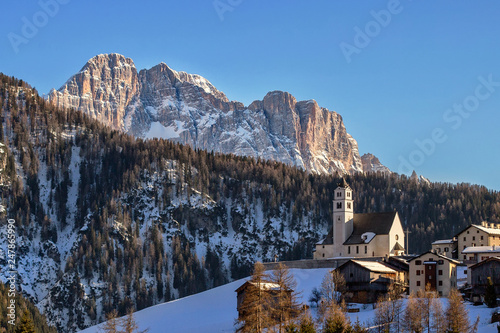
(397,237)
(366,249)
(339,205)
(348,250)
(348,205)
(339,194)
(357,249)
(348,194)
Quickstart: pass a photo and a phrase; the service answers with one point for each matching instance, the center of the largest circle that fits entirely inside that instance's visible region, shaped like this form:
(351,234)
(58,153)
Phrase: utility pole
(407,232)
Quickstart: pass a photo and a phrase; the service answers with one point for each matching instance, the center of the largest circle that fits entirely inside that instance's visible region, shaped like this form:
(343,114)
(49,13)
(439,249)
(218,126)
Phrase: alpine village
(259,218)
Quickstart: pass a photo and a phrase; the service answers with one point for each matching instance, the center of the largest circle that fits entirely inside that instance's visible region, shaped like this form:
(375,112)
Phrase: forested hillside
(106,221)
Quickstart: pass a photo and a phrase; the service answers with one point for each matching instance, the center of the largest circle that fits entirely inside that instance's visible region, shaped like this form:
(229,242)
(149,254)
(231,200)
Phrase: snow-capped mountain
(161,102)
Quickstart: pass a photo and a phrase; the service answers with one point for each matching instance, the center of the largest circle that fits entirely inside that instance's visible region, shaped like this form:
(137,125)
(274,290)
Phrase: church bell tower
(342,216)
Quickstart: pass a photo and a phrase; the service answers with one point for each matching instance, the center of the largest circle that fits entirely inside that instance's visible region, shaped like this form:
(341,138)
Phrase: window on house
(467,232)
(418,271)
(440,283)
(440,272)
(465,238)
(323,255)
(351,275)
(446,249)
(348,205)
(465,257)
(482,237)
(473,238)
(477,231)
(339,205)
(348,250)
(440,293)
(366,249)
(418,262)
(357,249)
(440,262)
(418,283)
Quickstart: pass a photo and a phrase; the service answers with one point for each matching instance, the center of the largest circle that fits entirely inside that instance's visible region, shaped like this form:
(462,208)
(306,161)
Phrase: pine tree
(111,324)
(336,320)
(286,306)
(307,323)
(490,297)
(412,316)
(255,309)
(457,316)
(26,324)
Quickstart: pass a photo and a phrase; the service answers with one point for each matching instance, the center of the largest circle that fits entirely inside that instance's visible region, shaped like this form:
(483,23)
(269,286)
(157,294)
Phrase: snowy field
(215,310)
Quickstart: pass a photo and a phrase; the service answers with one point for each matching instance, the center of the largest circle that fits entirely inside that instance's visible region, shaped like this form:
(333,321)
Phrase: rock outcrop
(372,164)
(161,102)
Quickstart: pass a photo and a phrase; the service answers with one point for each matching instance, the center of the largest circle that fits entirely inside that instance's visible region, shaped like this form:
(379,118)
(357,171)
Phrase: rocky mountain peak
(372,164)
(162,102)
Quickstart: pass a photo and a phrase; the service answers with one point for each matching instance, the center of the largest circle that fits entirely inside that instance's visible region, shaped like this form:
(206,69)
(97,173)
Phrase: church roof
(378,223)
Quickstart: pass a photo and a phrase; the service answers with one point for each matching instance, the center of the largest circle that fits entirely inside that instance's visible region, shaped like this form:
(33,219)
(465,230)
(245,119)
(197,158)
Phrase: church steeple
(343,212)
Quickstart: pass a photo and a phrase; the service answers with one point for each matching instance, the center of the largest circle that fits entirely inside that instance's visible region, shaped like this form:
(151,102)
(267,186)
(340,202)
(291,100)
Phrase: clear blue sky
(400,85)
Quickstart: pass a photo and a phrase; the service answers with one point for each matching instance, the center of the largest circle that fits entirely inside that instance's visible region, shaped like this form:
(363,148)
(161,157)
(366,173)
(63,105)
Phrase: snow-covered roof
(491,231)
(482,249)
(374,266)
(443,241)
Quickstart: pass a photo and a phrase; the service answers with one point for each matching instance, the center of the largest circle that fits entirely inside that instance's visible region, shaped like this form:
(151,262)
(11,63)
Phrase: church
(360,235)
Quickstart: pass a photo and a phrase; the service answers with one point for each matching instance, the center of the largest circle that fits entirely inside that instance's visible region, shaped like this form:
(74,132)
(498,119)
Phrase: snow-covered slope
(214,311)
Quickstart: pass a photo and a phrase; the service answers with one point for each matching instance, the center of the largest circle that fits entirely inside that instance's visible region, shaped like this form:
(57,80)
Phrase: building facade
(438,271)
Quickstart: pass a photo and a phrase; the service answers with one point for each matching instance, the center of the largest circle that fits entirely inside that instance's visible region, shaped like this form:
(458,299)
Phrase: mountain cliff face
(372,164)
(161,102)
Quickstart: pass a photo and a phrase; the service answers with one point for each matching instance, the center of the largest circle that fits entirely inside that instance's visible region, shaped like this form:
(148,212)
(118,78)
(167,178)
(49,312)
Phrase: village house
(367,280)
(446,247)
(486,234)
(479,274)
(267,287)
(360,235)
(439,271)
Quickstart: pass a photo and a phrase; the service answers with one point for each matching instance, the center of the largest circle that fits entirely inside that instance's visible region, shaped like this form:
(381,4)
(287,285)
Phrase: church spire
(343,183)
